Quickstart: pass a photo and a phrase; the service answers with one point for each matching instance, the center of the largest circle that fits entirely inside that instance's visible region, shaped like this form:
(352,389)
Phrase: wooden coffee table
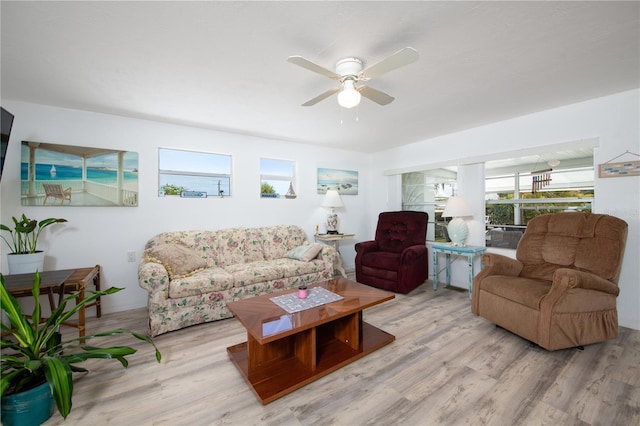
(284,352)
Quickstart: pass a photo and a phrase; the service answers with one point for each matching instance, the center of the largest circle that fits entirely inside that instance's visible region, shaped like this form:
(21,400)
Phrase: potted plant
(24,241)
(36,356)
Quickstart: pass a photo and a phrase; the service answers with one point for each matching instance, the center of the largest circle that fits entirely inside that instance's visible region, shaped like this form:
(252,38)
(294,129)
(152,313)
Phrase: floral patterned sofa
(192,275)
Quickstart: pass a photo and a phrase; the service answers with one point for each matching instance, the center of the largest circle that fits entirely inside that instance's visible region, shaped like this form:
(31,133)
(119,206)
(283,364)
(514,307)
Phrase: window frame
(289,179)
(434,208)
(431,179)
(197,173)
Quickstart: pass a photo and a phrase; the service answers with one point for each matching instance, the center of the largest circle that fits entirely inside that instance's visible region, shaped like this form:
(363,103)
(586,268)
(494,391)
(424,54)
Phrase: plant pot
(25,263)
(29,408)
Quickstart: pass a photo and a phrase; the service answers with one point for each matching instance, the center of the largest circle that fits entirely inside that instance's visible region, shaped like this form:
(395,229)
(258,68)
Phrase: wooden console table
(62,282)
(21,285)
(77,283)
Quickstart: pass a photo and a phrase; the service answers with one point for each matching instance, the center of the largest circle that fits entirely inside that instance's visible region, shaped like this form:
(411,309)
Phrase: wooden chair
(55,191)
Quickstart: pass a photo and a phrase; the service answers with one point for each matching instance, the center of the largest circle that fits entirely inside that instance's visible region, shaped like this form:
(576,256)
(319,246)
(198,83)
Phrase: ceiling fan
(349,72)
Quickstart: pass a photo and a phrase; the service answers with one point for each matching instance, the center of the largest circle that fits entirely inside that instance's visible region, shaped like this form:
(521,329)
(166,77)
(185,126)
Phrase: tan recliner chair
(560,291)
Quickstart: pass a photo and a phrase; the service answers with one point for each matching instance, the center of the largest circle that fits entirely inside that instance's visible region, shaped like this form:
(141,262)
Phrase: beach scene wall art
(344,181)
(67,175)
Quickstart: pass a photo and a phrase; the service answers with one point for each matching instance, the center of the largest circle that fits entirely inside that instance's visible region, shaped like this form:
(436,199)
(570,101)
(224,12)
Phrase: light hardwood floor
(445,367)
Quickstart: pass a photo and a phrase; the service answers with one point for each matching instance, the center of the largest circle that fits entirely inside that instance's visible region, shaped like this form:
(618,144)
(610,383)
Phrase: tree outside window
(276,177)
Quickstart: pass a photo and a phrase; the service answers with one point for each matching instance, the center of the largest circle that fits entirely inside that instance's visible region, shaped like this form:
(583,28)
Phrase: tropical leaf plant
(36,353)
(25,233)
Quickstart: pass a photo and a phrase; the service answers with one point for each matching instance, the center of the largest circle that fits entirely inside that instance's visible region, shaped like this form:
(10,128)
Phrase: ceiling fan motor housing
(349,67)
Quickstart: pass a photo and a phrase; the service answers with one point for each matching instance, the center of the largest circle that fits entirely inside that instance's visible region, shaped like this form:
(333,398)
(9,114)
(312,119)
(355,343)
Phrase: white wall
(103,235)
(613,120)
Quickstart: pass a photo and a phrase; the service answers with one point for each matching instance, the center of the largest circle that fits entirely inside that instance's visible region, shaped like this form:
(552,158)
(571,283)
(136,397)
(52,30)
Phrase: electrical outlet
(131,256)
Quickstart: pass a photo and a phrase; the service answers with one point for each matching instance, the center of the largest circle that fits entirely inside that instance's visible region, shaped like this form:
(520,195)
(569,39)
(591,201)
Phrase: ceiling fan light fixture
(349,97)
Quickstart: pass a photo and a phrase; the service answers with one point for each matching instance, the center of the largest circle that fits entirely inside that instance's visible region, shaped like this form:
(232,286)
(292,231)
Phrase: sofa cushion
(525,291)
(178,260)
(292,268)
(398,230)
(203,242)
(253,272)
(382,260)
(305,252)
(278,240)
(238,246)
(210,280)
(589,242)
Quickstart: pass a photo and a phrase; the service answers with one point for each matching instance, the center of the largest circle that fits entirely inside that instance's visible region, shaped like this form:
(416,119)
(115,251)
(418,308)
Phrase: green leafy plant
(36,353)
(24,236)
(265,188)
(170,189)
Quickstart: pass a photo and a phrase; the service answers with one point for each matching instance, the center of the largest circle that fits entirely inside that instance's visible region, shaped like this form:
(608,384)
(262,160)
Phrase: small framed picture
(343,181)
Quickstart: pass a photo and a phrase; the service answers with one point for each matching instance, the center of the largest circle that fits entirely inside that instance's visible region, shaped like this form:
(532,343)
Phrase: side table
(20,285)
(469,251)
(77,283)
(335,240)
(68,281)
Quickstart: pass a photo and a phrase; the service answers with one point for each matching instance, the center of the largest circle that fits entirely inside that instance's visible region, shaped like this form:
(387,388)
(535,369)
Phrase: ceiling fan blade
(375,95)
(399,59)
(321,97)
(305,63)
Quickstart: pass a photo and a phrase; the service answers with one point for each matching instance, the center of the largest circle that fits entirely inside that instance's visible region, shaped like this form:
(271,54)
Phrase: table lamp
(457,208)
(332,200)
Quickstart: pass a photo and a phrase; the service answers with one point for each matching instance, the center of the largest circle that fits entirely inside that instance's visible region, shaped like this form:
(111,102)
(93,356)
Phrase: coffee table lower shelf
(289,366)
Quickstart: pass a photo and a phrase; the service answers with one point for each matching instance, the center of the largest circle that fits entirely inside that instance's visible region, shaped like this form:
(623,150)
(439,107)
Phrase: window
(276,177)
(510,201)
(191,173)
(428,192)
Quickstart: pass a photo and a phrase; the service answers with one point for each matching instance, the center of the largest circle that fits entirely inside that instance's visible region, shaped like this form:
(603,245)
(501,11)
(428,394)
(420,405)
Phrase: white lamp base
(332,223)
(458,231)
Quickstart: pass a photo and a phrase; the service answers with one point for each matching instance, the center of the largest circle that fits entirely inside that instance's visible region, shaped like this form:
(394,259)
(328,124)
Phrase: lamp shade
(456,207)
(348,97)
(332,199)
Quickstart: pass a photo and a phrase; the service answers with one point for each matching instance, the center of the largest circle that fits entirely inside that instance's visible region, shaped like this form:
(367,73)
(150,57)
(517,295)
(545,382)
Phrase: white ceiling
(222,65)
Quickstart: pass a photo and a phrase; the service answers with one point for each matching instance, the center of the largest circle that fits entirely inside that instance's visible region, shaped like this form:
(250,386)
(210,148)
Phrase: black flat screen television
(6,121)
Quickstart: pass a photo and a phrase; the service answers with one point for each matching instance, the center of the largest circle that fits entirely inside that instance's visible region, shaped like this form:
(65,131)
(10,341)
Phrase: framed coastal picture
(344,181)
(68,175)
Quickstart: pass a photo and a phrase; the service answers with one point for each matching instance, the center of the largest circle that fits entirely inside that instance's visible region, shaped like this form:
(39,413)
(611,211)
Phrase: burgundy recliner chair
(397,259)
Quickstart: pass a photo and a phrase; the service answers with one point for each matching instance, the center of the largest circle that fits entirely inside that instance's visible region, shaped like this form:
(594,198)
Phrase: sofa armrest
(568,289)
(573,278)
(366,247)
(493,264)
(497,264)
(329,256)
(154,278)
(413,252)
